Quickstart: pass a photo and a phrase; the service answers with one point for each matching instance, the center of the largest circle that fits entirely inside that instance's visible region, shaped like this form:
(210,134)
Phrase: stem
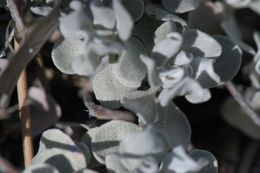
(26,122)
(242,102)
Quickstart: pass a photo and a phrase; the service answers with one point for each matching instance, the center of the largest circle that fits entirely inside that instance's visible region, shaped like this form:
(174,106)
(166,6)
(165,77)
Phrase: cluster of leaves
(140,55)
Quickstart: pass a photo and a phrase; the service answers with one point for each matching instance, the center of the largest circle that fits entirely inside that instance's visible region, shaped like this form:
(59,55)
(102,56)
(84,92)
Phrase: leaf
(41,168)
(173,124)
(102,15)
(45,112)
(142,104)
(84,148)
(43,10)
(212,166)
(164,29)
(75,24)
(183,58)
(167,48)
(211,13)
(144,31)
(232,30)
(114,165)
(135,8)
(130,70)
(230,60)
(58,150)
(171,76)
(201,44)
(65,51)
(158,13)
(124,21)
(89,64)
(187,86)
(136,146)
(153,74)
(238,3)
(178,161)
(106,138)
(180,6)
(106,86)
(86,171)
(255,6)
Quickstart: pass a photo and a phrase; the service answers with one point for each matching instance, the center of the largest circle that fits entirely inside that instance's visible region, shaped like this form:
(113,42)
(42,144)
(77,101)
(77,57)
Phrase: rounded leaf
(65,51)
(41,168)
(164,29)
(130,70)
(230,60)
(107,87)
(201,44)
(58,150)
(135,8)
(106,138)
(174,125)
(180,6)
(136,146)
(212,166)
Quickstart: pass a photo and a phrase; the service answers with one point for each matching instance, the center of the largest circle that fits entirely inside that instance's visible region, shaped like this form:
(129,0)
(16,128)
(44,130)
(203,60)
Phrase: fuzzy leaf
(153,74)
(212,166)
(58,150)
(238,3)
(89,63)
(158,13)
(76,23)
(164,29)
(183,58)
(106,86)
(167,48)
(135,146)
(86,171)
(187,86)
(255,6)
(64,52)
(135,8)
(142,104)
(114,165)
(130,70)
(201,44)
(178,161)
(174,125)
(124,22)
(41,168)
(230,59)
(106,138)
(102,15)
(144,31)
(180,6)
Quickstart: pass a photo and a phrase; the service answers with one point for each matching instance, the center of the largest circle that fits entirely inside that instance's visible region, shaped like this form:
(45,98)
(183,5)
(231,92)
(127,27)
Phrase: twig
(103,113)
(242,102)
(248,156)
(16,16)
(25,116)
(7,167)
(29,48)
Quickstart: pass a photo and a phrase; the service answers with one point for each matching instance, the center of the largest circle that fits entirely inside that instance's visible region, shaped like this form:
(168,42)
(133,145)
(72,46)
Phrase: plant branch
(242,102)
(30,46)
(103,113)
